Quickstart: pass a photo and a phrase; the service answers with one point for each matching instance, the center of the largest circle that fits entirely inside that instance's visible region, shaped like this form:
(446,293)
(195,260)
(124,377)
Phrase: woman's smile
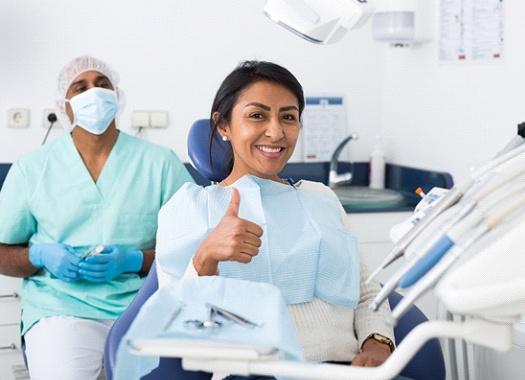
(263,130)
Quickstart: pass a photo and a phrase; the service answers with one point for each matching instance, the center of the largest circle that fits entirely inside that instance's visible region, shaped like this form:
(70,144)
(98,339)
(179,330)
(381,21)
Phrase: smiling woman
(263,133)
(254,226)
(238,98)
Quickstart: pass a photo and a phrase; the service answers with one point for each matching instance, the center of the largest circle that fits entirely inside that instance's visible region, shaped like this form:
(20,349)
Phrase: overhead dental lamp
(319,21)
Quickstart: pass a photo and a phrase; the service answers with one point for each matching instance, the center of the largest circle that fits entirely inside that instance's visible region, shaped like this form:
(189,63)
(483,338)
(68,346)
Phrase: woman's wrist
(204,266)
(378,341)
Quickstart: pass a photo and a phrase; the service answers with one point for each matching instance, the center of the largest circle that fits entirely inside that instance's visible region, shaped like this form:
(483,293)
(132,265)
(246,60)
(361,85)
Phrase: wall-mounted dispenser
(403,22)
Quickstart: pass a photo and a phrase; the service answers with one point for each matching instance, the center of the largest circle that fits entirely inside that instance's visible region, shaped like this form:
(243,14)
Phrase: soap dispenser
(376,179)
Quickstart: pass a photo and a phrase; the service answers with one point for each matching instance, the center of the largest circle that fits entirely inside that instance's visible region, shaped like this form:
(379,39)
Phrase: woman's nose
(275,129)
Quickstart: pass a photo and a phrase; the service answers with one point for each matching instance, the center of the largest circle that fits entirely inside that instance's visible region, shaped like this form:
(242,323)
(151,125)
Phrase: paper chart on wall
(324,127)
(472,30)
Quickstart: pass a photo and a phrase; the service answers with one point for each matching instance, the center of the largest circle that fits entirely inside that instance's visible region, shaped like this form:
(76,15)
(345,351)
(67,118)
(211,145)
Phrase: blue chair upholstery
(427,364)
(199,151)
(169,368)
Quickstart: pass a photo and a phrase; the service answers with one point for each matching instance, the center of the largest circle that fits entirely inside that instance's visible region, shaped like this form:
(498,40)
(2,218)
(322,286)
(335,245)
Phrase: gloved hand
(110,263)
(60,259)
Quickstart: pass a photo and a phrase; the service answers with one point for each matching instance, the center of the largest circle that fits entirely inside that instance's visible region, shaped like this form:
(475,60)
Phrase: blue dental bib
(305,251)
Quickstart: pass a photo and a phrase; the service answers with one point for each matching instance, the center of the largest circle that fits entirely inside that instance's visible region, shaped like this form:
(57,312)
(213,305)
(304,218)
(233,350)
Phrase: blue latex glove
(59,259)
(110,263)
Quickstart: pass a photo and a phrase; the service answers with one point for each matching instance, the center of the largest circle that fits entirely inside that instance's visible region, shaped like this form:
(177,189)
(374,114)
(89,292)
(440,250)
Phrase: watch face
(383,339)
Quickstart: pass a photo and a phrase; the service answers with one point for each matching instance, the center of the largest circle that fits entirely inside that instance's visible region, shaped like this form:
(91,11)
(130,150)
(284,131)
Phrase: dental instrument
(510,208)
(428,200)
(233,317)
(440,243)
(516,141)
(393,281)
(93,251)
(211,323)
(454,234)
(421,209)
(173,316)
(196,324)
(449,199)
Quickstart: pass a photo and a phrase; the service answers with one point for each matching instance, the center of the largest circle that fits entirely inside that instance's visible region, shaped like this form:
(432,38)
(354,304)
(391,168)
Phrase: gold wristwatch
(381,339)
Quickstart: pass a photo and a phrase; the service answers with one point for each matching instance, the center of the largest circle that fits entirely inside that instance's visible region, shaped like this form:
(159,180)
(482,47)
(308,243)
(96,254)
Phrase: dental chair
(427,364)
(169,368)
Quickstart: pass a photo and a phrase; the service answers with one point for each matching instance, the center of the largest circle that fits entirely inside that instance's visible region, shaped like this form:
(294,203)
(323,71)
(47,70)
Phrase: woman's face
(263,130)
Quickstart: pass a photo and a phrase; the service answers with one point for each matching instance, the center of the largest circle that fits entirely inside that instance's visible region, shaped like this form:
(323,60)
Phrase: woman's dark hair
(245,74)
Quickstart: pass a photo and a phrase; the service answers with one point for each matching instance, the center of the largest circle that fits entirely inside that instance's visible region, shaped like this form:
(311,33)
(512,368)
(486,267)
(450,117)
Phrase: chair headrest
(199,151)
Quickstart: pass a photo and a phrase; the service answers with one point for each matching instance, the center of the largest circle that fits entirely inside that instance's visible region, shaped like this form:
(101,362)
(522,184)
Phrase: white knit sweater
(329,332)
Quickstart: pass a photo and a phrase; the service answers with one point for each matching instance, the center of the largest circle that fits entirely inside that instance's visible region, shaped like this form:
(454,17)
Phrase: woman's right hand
(233,239)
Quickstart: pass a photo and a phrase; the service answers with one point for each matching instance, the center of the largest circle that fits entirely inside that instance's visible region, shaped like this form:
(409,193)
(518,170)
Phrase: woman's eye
(256,116)
(290,117)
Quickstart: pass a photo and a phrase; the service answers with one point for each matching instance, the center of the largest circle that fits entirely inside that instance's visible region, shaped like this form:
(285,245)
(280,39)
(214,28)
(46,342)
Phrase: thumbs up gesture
(233,239)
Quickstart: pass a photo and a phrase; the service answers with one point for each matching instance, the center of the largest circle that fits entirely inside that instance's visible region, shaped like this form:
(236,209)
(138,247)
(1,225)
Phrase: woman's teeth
(268,149)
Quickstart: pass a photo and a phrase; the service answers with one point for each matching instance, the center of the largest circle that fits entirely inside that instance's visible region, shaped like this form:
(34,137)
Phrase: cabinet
(373,234)
(11,360)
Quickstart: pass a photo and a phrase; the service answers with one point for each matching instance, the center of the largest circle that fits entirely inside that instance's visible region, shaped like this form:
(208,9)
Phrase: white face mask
(94,109)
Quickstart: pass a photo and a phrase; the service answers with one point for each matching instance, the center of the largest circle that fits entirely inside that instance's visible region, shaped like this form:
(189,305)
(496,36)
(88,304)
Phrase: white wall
(173,55)
(450,116)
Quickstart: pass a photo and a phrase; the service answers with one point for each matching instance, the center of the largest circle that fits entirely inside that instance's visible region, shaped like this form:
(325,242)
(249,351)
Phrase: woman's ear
(222,127)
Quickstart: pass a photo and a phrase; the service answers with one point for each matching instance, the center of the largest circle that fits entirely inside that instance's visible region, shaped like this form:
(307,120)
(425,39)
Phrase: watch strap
(381,339)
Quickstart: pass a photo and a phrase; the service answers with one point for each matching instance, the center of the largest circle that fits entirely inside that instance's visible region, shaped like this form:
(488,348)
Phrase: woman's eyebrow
(265,107)
(288,108)
(260,105)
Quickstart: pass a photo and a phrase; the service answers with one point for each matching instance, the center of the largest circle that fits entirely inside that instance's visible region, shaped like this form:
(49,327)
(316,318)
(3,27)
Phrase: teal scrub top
(50,197)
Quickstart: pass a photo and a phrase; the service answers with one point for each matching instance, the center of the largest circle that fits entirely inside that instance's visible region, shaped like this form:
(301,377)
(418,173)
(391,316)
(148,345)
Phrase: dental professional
(95,186)
(257,226)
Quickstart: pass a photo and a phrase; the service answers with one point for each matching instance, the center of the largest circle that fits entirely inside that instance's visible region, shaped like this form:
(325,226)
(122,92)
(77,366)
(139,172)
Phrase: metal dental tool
(501,199)
(93,252)
(173,316)
(508,209)
(233,317)
(488,196)
(393,281)
(505,161)
(516,141)
(434,275)
(210,323)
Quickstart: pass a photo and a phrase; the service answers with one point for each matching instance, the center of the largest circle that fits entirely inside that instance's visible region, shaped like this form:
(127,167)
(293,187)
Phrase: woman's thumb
(233,208)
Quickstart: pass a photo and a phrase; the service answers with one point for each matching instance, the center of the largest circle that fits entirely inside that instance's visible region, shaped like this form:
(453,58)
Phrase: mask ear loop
(73,124)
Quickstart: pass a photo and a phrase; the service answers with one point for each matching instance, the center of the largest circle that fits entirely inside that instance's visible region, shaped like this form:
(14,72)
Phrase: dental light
(319,21)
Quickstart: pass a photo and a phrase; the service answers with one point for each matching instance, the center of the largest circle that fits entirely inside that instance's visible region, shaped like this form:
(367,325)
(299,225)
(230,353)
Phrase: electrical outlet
(158,119)
(140,119)
(149,119)
(45,121)
(18,118)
